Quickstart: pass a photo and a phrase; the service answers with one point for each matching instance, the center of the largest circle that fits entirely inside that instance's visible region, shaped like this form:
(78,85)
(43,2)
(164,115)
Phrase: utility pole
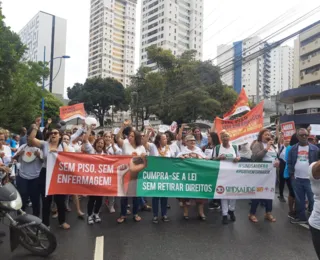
(258,84)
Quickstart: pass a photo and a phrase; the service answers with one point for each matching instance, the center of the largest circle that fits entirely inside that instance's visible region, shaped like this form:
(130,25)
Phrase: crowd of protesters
(297,161)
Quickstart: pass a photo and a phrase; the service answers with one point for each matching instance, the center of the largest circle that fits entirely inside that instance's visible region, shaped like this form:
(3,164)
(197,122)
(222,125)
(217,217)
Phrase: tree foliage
(20,99)
(98,95)
(181,89)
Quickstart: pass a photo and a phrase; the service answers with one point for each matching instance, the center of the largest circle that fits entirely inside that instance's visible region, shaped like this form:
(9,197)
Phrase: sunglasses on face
(54,133)
(303,135)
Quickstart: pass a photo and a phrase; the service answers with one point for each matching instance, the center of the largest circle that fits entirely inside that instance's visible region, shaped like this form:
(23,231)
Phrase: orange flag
(241,105)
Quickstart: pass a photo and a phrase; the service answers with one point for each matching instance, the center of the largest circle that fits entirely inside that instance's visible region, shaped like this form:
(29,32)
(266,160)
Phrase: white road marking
(304,225)
(98,251)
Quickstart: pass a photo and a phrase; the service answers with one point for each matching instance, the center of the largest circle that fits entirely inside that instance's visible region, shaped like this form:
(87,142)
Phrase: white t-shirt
(271,155)
(196,150)
(302,164)
(229,152)
(7,155)
(153,150)
(282,155)
(245,151)
(175,150)
(314,219)
(127,149)
(208,152)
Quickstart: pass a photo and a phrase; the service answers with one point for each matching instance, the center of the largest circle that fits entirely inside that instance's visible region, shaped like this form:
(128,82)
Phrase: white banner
(246,181)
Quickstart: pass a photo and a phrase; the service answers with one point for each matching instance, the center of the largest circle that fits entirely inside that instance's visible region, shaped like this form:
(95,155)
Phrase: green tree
(20,97)
(98,95)
(182,89)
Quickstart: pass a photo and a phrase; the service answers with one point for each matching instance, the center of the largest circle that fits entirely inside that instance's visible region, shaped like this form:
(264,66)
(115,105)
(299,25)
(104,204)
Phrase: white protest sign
(173,127)
(315,129)
(146,122)
(163,128)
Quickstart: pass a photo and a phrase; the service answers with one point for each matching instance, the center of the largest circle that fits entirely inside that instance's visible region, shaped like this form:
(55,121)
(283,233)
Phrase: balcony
(308,34)
(309,78)
(310,62)
(310,47)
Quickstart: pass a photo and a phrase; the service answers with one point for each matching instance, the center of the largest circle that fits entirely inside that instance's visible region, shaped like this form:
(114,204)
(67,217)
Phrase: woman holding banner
(226,151)
(192,151)
(263,150)
(130,146)
(53,145)
(161,148)
(94,202)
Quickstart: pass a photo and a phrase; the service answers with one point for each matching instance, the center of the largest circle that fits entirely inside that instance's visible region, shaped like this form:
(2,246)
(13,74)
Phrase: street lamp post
(43,81)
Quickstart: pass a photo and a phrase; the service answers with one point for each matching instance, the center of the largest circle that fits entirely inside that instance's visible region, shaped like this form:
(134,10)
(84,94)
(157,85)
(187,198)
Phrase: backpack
(217,149)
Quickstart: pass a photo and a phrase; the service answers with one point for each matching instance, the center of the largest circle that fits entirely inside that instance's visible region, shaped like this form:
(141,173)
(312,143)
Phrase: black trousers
(29,189)
(315,233)
(94,204)
(47,200)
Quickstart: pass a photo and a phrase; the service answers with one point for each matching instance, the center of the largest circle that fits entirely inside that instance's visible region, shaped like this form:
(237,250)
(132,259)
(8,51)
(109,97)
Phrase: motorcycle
(26,230)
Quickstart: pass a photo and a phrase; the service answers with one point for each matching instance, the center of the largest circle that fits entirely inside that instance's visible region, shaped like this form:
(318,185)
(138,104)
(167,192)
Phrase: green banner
(181,178)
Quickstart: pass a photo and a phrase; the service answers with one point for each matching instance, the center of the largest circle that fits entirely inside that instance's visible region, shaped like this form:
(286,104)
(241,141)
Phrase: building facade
(282,68)
(251,74)
(49,32)
(176,25)
(112,39)
(305,96)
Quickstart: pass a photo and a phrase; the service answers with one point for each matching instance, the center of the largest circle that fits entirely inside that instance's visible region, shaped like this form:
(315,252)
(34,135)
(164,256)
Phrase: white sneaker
(111,209)
(90,220)
(96,218)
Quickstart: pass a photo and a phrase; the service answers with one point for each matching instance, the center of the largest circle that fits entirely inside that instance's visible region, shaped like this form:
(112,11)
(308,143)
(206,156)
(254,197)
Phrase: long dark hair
(137,138)
(215,138)
(294,139)
(157,140)
(194,129)
(171,137)
(261,133)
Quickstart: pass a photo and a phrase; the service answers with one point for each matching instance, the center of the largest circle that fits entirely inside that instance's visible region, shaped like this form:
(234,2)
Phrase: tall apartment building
(112,39)
(49,31)
(253,75)
(305,96)
(307,58)
(282,61)
(176,25)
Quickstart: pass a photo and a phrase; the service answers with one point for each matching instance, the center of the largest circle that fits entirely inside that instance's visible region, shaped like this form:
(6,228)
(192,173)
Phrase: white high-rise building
(112,39)
(49,32)
(282,62)
(241,73)
(176,25)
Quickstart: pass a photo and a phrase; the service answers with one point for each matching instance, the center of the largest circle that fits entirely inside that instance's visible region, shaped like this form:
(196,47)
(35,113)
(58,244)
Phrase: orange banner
(76,173)
(68,113)
(243,129)
(288,129)
(241,105)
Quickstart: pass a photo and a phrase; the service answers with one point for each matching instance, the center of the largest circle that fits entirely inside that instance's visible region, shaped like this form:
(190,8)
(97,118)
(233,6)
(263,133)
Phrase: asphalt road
(178,239)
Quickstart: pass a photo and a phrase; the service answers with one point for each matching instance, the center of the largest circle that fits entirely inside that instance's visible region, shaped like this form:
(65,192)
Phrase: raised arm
(32,136)
(179,135)
(86,146)
(119,134)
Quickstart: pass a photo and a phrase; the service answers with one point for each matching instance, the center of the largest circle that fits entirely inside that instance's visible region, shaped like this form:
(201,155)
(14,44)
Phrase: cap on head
(190,138)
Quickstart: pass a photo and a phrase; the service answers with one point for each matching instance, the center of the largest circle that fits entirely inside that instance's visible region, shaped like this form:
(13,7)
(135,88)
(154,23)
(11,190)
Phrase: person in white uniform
(222,152)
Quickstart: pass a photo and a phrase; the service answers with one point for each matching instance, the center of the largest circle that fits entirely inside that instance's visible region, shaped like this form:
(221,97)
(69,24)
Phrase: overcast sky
(225,21)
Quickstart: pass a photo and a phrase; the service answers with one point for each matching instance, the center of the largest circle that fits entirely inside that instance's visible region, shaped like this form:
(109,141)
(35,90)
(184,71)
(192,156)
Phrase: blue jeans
(124,204)
(302,187)
(155,206)
(255,204)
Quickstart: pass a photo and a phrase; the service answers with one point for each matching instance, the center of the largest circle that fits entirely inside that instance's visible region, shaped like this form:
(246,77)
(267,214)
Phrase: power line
(301,18)
(276,20)
(267,48)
